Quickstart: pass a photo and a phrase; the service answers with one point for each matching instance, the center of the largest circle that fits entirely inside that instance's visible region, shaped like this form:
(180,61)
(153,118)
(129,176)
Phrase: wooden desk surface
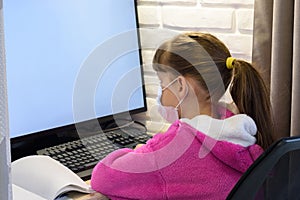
(92,196)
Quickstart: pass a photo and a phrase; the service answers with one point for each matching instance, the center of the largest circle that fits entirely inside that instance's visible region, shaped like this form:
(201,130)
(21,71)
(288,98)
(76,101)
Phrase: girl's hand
(138,146)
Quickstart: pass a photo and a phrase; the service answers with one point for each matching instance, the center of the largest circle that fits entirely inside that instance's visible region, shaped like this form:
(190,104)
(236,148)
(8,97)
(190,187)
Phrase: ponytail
(250,94)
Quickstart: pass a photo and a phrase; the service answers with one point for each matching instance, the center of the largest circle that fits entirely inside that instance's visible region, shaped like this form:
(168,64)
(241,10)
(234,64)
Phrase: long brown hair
(202,57)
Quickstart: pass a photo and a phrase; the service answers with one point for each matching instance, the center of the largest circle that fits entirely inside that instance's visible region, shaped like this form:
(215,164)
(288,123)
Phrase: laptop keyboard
(83,154)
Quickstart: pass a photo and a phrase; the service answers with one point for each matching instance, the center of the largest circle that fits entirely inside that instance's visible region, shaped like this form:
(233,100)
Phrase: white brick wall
(229,20)
(184,17)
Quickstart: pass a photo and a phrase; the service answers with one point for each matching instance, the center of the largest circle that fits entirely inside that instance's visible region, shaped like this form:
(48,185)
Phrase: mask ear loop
(179,103)
(227,96)
(170,84)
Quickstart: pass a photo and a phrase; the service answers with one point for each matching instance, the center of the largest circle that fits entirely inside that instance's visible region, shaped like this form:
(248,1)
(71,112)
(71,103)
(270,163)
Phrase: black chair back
(274,175)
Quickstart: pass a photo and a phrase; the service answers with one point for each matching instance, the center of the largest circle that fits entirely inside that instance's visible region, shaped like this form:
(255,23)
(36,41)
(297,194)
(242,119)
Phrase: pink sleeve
(133,174)
(128,173)
(121,184)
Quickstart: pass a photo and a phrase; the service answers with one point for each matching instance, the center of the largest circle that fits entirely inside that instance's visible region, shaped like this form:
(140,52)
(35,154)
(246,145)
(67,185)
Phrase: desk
(81,196)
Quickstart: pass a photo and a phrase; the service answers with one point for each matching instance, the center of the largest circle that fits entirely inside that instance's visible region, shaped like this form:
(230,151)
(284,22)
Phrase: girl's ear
(182,86)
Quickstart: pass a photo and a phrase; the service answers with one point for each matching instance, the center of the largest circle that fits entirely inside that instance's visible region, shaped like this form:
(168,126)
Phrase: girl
(209,144)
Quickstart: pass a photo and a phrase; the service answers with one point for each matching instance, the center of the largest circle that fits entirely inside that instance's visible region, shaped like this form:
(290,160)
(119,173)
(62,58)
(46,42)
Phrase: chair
(274,175)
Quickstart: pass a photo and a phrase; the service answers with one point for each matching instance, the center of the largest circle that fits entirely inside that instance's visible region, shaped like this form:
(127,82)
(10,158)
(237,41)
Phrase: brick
(147,56)
(245,57)
(149,15)
(148,2)
(179,2)
(193,17)
(238,44)
(152,89)
(245,19)
(153,38)
(148,69)
(228,2)
(151,81)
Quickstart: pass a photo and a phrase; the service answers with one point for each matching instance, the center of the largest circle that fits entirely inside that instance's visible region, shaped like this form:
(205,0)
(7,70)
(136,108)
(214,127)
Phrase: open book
(43,178)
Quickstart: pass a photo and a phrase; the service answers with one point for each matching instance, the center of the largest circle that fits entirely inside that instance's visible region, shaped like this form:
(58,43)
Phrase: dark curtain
(276,51)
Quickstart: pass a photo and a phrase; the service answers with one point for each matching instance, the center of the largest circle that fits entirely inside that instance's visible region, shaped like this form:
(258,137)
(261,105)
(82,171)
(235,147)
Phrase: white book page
(21,194)
(46,177)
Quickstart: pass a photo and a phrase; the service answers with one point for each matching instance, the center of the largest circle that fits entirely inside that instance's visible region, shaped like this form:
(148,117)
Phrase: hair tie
(229,62)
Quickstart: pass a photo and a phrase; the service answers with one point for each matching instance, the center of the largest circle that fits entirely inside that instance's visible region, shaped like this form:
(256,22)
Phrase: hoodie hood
(231,140)
(239,129)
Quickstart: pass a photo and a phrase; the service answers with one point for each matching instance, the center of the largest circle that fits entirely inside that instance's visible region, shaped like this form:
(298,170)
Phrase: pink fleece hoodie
(202,158)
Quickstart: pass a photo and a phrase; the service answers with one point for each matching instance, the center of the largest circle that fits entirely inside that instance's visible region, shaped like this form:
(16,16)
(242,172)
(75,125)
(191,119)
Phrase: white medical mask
(169,113)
